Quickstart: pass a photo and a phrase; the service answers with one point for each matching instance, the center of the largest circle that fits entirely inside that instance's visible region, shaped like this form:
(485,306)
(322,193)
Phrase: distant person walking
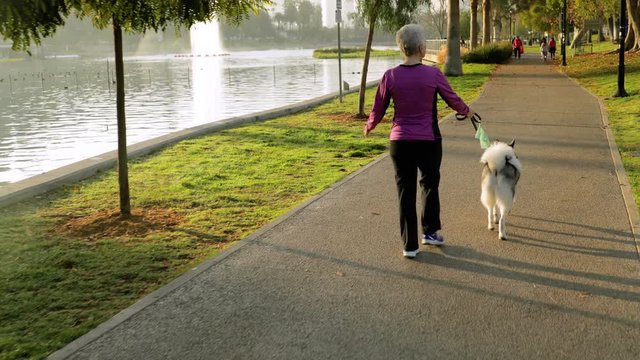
(518,47)
(552,48)
(415,139)
(544,49)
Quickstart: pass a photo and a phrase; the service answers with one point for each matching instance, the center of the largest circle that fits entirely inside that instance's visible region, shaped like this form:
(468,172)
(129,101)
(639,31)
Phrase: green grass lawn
(598,73)
(353,53)
(598,47)
(69,264)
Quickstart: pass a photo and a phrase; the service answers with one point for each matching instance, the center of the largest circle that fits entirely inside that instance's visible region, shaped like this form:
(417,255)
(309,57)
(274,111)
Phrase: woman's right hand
(471,113)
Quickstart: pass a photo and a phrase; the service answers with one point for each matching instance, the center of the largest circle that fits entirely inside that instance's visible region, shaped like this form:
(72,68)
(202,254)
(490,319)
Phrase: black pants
(516,52)
(408,157)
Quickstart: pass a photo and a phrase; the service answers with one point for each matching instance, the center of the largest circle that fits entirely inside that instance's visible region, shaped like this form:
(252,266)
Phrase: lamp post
(620,92)
(338,21)
(563,47)
(513,20)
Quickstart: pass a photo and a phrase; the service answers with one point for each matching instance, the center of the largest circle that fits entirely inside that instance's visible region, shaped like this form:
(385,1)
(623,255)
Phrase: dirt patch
(108,223)
(346,117)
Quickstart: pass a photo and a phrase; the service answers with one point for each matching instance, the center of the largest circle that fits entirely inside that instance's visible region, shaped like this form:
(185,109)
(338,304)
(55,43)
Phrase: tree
(437,16)
(390,15)
(632,41)
(137,16)
(465,24)
(486,22)
(25,22)
(305,13)
(453,63)
(257,26)
(540,15)
(279,19)
(309,18)
(474,24)
(500,11)
(303,19)
(290,12)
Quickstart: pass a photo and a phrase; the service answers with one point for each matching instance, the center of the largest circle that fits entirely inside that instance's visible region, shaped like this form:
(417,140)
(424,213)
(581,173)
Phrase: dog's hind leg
(488,199)
(505,203)
(489,202)
(492,216)
(502,224)
(488,196)
(490,219)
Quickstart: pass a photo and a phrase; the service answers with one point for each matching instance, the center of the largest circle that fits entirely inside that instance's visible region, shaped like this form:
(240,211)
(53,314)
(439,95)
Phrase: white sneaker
(410,254)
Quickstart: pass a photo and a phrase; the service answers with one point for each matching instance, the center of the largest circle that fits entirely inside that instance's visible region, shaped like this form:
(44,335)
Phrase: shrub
(495,53)
(442,54)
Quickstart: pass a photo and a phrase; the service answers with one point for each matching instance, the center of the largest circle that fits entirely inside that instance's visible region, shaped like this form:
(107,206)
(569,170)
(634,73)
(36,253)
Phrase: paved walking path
(329,281)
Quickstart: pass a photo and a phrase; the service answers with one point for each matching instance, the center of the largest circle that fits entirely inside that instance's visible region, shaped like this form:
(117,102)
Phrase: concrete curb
(148,300)
(623,179)
(83,169)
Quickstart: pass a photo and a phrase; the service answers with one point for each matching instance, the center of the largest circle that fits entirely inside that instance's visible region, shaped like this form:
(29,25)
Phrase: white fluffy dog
(500,176)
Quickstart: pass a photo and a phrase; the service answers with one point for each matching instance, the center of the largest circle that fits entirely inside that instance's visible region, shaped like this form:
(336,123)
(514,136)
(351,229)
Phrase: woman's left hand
(365,131)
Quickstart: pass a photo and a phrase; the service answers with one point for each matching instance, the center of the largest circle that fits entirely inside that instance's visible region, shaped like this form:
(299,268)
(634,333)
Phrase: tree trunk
(611,27)
(453,63)
(486,22)
(578,35)
(497,25)
(365,68)
(123,172)
(632,42)
(474,25)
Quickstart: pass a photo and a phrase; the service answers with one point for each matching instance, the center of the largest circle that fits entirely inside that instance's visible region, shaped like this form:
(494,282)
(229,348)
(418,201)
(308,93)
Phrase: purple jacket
(414,90)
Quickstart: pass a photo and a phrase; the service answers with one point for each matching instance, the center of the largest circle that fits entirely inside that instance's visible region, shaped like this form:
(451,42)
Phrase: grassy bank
(598,73)
(353,53)
(69,263)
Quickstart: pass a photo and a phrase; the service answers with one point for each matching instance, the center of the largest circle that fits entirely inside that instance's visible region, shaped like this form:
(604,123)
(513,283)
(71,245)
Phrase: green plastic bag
(485,142)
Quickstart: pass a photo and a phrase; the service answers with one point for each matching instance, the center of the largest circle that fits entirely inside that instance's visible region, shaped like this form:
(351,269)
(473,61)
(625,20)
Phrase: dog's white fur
(499,178)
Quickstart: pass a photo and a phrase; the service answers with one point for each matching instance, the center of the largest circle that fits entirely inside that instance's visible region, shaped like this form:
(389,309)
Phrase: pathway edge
(621,174)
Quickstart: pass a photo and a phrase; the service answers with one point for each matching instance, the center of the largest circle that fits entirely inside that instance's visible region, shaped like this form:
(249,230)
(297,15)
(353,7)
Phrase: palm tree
(453,63)
(486,22)
(474,24)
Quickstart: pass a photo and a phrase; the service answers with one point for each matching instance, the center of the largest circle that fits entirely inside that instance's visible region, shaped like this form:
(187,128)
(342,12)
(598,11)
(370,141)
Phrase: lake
(59,110)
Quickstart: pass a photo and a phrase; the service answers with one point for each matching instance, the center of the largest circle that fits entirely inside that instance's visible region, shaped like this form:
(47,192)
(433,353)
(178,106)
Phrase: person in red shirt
(552,48)
(517,47)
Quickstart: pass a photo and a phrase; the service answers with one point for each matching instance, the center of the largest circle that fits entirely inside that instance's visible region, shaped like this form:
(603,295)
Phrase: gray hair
(409,39)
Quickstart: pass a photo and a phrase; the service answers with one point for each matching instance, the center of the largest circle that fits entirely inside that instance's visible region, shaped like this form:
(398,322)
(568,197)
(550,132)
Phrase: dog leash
(481,135)
(476,120)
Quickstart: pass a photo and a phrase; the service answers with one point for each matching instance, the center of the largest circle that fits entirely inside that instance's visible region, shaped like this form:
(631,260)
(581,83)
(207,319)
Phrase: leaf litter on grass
(109,223)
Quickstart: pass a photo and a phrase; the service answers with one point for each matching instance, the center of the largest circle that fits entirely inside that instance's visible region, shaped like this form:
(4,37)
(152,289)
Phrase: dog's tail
(497,156)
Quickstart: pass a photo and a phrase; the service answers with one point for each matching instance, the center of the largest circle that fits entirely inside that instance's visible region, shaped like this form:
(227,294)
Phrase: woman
(552,48)
(416,142)
(518,47)
(544,48)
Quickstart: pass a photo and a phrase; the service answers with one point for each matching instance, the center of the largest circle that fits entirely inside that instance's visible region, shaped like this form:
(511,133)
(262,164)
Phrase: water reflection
(208,89)
(57,111)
